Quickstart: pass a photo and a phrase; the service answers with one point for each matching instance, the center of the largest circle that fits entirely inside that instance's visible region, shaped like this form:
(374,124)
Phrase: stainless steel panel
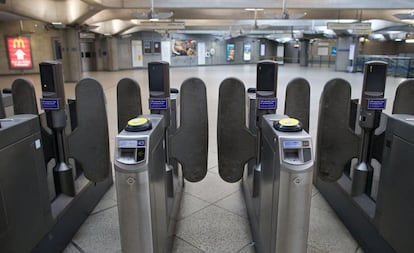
(141,191)
(134,211)
(284,221)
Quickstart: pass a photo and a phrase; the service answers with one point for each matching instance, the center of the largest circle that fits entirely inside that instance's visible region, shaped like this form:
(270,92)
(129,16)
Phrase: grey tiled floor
(213,216)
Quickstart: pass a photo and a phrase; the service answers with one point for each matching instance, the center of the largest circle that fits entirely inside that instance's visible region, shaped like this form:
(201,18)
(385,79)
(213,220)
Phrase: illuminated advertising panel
(230,52)
(247,52)
(19,51)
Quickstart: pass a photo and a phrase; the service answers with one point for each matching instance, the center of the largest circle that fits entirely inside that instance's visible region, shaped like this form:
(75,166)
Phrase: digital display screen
(247,52)
(131,143)
(292,144)
(230,52)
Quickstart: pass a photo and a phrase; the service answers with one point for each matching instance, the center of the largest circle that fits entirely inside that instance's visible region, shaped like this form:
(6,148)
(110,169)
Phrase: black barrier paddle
(337,143)
(129,105)
(24,97)
(89,142)
(236,144)
(189,144)
(297,101)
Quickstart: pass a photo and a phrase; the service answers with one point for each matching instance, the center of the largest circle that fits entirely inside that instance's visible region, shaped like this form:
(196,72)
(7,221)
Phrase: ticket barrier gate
(73,174)
(375,210)
(149,182)
(277,188)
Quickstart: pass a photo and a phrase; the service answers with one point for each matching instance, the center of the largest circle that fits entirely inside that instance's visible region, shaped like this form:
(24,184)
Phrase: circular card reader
(288,125)
(138,125)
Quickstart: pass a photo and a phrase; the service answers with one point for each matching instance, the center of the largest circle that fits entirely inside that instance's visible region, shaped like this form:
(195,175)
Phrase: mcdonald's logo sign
(18,43)
(19,52)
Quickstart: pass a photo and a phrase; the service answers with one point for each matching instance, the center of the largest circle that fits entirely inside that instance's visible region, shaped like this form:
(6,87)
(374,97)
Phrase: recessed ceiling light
(254,9)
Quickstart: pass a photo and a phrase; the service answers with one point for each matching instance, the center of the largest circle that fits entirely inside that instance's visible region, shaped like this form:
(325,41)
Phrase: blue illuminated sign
(377,104)
(141,143)
(131,143)
(49,103)
(292,144)
(267,103)
(158,104)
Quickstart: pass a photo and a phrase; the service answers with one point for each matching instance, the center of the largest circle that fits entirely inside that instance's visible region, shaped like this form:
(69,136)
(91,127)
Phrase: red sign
(20,55)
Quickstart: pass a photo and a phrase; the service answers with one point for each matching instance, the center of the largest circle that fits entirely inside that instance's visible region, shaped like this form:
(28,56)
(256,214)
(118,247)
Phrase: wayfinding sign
(19,51)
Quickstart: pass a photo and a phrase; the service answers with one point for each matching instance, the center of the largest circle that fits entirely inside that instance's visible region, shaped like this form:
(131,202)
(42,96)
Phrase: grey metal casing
(141,191)
(286,179)
(394,211)
(25,211)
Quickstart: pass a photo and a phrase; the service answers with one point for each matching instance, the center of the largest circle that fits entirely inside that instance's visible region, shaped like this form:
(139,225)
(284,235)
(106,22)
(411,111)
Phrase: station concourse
(159,126)
(214,220)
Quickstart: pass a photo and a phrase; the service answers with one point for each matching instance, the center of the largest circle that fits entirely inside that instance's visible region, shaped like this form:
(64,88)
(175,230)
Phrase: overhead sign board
(355,28)
(19,51)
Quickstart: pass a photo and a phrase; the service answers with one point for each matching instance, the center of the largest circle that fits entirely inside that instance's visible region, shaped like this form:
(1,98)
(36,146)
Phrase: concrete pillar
(346,53)
(112,54)
(71,58)
(304,52)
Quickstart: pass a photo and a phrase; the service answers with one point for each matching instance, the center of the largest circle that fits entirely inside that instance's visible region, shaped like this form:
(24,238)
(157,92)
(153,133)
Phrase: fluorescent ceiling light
(409,41)
(398,39)
(253,9)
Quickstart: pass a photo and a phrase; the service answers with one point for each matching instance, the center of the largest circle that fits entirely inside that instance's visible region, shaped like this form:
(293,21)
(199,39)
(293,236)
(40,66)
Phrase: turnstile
(74,171)
(172,153)
(364,176)
(140,183)
(277,180)
(286,180)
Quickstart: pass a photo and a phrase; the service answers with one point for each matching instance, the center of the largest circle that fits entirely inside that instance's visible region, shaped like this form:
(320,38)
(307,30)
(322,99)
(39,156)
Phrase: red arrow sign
(20,56)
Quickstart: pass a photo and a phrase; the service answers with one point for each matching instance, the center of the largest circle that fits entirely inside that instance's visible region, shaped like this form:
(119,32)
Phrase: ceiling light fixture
(254,9)
(409,41)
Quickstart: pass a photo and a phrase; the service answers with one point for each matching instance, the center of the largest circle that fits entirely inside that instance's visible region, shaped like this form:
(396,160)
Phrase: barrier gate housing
(153,155)
(56,164)
(277,180)
(363,158)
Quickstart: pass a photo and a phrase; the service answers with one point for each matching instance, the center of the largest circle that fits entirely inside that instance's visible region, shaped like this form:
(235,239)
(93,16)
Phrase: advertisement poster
(262,49)
(201,52)
(157,47)
(230,52)
(247,52)
(137,59)
(20,54)
(184,47)
(166,51)
(147,47)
